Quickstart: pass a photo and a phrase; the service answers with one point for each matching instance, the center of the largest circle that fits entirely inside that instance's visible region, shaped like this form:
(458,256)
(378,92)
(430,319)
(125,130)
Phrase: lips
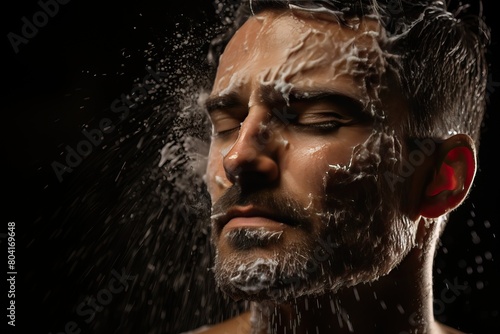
(247,216)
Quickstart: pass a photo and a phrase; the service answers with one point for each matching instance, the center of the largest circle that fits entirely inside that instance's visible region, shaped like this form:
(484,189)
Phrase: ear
(453,173)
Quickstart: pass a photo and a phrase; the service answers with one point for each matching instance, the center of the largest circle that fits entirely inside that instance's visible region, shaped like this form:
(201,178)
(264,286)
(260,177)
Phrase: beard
(355,233)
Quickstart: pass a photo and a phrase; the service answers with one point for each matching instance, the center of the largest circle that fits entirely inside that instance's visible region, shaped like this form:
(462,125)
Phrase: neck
(400,302)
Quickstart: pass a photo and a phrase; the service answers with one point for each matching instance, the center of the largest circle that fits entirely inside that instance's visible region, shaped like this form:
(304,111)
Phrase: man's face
(299,149)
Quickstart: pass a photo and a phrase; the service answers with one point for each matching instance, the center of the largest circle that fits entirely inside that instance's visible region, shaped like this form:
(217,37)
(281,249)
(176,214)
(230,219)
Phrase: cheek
(306,168)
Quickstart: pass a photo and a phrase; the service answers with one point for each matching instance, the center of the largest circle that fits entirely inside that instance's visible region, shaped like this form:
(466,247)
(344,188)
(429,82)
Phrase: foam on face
(360,57)
(255,276)
(349,227)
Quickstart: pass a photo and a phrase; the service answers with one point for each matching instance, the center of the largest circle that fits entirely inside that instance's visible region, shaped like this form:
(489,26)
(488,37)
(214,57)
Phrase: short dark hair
(441,52)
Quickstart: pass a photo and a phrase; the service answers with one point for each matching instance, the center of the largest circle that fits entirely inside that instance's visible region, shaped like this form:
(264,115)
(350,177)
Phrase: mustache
(284,208)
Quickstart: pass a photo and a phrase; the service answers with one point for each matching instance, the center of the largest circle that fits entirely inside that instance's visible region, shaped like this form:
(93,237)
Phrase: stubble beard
(359,236)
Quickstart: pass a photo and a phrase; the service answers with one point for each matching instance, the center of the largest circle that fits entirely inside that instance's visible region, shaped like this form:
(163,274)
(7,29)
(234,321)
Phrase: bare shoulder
(241,325)
(236,325)
(444,329)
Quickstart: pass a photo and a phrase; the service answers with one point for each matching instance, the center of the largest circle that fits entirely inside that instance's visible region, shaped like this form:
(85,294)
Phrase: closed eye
(319,117)
(226,113)
(326,110)
(223,133)
(223,123)
(323,121)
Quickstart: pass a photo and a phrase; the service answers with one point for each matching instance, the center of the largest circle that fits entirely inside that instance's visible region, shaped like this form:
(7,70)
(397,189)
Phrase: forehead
(274,29)
(294,47)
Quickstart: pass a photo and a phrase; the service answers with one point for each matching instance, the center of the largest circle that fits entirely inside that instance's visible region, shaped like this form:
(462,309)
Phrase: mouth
(249,217)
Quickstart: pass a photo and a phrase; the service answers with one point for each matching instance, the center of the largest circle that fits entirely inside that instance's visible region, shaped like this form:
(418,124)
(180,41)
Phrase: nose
(253,157)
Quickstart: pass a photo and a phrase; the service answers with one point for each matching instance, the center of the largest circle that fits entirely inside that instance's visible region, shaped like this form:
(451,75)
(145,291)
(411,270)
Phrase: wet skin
(290,109)
(291,120)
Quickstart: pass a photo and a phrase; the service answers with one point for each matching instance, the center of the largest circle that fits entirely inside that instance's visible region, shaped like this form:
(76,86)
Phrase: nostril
(252,171)
(251,181)
(252,156)
(239,161)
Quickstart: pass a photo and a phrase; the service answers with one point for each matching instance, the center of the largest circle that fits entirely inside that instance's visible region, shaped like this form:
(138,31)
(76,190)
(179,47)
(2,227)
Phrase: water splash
(149,174)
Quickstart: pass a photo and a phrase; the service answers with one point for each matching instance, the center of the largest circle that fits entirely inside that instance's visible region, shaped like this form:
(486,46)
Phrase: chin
(306,267)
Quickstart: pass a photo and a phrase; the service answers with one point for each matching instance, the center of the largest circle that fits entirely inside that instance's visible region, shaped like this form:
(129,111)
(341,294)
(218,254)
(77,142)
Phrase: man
(344,133)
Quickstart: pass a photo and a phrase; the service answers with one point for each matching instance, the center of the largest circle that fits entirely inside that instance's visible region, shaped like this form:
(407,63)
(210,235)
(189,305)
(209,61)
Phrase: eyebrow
(270,96)
(326,94)
(229,100)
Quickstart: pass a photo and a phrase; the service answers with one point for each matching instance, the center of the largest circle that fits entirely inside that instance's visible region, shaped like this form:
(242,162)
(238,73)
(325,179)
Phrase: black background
(55,83)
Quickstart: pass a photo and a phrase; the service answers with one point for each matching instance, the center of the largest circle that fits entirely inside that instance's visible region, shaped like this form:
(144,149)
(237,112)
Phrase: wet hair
(442,64)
